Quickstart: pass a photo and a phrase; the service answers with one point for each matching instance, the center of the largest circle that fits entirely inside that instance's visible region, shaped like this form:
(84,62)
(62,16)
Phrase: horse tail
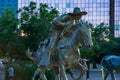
(102,69)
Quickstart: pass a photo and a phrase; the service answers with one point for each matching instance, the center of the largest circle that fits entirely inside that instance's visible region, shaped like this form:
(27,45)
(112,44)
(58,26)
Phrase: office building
(12,4)
(117,18)
(99,11)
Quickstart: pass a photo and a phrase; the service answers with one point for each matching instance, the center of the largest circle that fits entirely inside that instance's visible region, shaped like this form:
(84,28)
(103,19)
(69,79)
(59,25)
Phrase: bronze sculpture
(61,47)
(110,63)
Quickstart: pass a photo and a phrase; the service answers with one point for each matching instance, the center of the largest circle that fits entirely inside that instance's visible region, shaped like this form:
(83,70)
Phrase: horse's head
(86,37)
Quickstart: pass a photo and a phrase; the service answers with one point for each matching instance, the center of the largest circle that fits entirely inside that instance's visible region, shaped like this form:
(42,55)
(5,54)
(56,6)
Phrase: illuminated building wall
(98,10)
(117,18)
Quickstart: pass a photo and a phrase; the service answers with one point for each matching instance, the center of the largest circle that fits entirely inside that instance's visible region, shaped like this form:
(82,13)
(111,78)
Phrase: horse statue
(60,49)
(110,63)
(66,49)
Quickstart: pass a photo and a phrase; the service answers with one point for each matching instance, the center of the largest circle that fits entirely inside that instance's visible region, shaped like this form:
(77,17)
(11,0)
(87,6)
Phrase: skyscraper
(98,10)
(117,18)
(12,4)
(106,11)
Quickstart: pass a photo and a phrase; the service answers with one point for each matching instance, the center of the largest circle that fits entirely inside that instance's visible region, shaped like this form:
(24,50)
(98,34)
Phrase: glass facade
(98,10)
(12,4)
(117,18)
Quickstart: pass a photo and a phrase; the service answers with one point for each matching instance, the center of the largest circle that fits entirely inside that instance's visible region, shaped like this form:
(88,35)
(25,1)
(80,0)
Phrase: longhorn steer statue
(110,63)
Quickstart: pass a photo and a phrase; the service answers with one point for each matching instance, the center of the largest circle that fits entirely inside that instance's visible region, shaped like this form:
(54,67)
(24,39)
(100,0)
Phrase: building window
(56,5)
(67,5)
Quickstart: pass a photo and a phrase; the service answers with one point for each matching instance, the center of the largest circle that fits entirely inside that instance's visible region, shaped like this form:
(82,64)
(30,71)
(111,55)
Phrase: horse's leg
(82,71)
(71,73)
(112,75)
(63,73)
(36,73)
(42,74)
(106,74)
(56,71)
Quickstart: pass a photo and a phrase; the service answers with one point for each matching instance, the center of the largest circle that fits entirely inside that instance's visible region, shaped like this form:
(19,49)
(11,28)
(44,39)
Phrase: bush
(23,70)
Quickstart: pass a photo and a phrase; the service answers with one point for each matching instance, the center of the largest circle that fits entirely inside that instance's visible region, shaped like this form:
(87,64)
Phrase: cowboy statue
(69,19)
(64,26)
(66,22)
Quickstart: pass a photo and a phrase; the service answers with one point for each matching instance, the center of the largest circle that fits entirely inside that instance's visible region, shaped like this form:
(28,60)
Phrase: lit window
(67,5)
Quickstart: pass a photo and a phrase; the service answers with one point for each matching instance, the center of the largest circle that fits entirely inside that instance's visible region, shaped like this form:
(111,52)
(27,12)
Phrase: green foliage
(111,47)
(103,43)
(25,70)
(10,41)
(107,44)
(35,22)
(22,70)
(101,31)
(8,24)
(98,34)
(8,27)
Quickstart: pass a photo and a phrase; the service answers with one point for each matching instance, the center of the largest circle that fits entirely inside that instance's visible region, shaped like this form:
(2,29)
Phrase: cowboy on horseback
(66,22)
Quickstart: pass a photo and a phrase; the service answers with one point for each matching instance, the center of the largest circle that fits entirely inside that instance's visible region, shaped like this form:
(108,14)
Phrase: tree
(10,41)
(111,47)
(116,48)
(99,33)
(35,22)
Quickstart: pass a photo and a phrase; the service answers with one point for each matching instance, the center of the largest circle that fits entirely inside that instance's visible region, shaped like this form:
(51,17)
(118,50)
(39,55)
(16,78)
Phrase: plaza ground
(95,74)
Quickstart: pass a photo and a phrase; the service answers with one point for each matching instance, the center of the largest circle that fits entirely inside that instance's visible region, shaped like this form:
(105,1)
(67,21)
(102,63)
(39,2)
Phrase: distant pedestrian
(11,73)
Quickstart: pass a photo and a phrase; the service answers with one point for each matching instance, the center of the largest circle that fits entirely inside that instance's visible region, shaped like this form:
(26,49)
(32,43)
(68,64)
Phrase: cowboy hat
(77,12)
